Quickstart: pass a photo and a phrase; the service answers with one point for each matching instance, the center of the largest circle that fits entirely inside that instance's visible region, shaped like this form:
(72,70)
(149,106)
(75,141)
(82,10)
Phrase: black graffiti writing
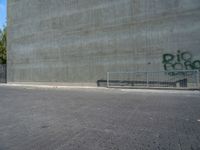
(180,61)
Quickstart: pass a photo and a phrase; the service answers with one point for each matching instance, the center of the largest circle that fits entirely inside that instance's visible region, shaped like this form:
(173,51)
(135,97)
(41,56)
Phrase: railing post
(147,79)
(108,76)
(198,79)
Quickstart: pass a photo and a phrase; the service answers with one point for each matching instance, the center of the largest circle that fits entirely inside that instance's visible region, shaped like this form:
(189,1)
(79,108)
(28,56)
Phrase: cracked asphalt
(98,119)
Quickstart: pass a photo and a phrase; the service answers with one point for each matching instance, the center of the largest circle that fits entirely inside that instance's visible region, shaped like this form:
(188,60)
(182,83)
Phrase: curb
(36,86)
(50,86)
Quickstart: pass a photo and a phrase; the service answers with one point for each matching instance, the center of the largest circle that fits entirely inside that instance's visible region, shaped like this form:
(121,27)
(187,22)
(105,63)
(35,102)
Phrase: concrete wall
(2,73)
(78,41)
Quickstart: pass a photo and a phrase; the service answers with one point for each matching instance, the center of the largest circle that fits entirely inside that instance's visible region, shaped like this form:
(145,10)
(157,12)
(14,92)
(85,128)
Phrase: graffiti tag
(180,61)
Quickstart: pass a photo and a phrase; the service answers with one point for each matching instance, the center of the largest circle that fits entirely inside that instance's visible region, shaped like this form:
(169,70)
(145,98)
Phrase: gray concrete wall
(78,41)
(2,73)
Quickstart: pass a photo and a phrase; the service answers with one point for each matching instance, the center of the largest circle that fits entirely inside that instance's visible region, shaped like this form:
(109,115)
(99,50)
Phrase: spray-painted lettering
(180,61)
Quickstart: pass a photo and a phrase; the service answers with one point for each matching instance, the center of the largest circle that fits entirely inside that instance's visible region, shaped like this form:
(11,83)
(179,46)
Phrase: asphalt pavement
(98,119)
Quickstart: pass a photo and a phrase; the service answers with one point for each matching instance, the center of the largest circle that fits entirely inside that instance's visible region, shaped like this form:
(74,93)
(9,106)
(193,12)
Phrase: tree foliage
(3,45)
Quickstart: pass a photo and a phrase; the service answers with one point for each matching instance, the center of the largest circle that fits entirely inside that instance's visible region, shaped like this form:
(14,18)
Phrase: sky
(2,13)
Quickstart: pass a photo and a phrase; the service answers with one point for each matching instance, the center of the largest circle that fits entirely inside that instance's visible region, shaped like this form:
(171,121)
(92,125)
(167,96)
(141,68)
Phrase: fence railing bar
(154,71)
(108,79)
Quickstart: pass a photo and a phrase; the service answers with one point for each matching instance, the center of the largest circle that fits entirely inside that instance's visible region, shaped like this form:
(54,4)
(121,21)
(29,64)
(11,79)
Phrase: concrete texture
(90,119)
(2,73)
(78,41)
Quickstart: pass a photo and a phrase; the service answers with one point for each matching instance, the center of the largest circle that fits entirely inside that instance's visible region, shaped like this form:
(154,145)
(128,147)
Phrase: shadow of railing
(149,84)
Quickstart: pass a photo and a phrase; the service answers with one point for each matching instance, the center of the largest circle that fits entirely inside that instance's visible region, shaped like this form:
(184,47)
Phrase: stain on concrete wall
(78,41)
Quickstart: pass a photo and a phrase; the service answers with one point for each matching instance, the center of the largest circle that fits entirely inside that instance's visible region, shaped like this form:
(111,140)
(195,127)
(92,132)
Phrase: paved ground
(91,119)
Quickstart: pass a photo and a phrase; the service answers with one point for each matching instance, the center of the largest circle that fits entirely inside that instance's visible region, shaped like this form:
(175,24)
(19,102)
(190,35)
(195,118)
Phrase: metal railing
(3,73)
(180,79)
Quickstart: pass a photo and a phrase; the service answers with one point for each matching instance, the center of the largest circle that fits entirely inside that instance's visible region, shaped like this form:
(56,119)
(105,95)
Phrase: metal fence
(3,73)
(185,79)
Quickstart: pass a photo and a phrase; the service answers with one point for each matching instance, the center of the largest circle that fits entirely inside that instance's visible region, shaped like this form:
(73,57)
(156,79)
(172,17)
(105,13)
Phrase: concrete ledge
(109,90)
(53,85)
(90,84)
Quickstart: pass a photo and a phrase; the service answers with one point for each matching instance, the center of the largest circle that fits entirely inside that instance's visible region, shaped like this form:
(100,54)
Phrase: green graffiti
(196,64)
(186,56)
(167,58)
(179,61)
